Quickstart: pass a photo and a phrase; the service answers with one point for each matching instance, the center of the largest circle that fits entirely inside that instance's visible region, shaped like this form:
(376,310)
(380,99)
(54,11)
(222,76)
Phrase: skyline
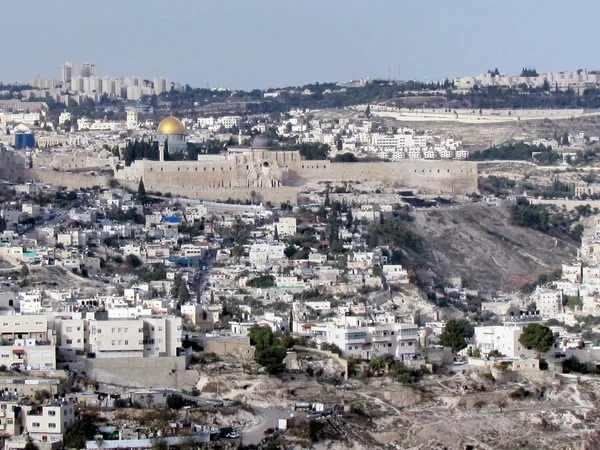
(202,43)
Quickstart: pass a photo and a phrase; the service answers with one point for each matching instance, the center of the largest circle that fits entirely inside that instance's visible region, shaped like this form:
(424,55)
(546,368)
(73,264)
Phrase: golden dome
(171,125)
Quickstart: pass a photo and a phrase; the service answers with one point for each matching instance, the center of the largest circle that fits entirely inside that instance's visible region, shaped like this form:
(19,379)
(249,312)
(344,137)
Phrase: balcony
(382,338)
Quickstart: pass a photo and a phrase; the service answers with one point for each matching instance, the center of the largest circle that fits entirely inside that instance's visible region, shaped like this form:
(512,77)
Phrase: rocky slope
(479,243)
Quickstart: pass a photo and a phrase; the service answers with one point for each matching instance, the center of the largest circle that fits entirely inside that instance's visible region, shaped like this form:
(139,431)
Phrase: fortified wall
(12,165)
(257,174)
(68,179)
(438,177)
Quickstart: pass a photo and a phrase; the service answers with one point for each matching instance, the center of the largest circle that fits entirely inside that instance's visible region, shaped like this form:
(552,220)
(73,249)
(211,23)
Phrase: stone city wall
(72,162)
(68,179)
(12,165)
(444,177)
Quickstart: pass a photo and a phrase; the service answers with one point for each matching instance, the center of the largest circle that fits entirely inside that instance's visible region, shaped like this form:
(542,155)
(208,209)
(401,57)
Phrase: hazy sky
(266,43)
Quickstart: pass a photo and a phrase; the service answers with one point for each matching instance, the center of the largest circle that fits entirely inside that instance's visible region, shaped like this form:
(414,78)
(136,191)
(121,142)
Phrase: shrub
(520,393)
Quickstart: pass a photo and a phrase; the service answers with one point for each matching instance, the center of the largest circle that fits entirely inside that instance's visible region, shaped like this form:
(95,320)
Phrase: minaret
(161,151)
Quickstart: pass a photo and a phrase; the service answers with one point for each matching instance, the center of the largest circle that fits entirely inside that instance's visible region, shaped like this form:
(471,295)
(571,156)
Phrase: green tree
(183,296)
(83,429)
(453,336)
(315,429)
(30,445)
(537,337)
(268,351)
(349,219)
(141,193)
(24,271)
(368,111)
(133,261)
(263,281)
(176,286)
(175,401)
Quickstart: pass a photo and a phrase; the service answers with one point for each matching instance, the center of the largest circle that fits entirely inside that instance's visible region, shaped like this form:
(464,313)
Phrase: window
(9,421)
(126,330)
(51,425)
(69,341)
(159,328)
(99,330)
(126,342)
(51,413)
(120,330)
(114,342)
(114,330)
(35,424)
(140,342)
(78,328)
(69,329)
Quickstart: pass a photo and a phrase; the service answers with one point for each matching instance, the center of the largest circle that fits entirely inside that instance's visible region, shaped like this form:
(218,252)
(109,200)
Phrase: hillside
(479,243)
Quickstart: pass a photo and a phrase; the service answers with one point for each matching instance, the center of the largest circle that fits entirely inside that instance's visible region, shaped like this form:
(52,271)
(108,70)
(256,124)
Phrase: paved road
(268,418)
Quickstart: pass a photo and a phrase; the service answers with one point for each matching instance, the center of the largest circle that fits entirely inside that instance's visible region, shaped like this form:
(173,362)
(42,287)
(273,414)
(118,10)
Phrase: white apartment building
(362,339)
(395,273)
(205,122)
(229,121)
(64,117)
(549,302)
(144,337)
(72,333)
(116,338)
(161,85)
(162,335)
(286,226)
(48,423)
(319,306)
(23,327)
(192,251)
(11,415)
(261,254)
(28,354)
(505,338)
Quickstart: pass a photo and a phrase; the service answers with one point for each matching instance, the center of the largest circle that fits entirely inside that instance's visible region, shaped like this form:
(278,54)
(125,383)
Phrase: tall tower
(161,151)
(88,70)
(132,119)
(66,72)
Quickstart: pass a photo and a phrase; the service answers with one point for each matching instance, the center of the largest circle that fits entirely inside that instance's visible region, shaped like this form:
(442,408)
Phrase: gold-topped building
(171,133)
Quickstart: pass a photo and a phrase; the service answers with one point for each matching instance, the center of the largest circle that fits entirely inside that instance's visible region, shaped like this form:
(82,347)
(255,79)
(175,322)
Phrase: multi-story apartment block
(33,327)
(162,335)
(115,338)
(549,302)
(260,254)
(364,339)
(505,338)
(143,337)
(48,423)
(11,415)
(286,226)
(72,333)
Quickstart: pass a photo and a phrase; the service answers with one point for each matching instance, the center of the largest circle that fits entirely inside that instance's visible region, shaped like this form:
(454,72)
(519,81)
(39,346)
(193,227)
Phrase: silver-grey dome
(260,141)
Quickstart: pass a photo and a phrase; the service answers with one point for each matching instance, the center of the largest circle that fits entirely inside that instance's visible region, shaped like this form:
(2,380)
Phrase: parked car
(314,415)
(233,435)
(269,431)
